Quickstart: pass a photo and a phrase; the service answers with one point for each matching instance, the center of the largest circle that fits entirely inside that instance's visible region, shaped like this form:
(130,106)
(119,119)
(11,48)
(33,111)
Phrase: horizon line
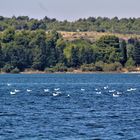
(69,20)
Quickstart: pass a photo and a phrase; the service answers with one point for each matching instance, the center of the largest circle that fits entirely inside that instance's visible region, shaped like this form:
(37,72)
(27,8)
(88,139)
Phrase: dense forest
(25,45)
(99,24)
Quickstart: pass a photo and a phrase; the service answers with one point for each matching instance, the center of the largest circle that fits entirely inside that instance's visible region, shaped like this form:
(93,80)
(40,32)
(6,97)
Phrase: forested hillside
(29,44)
(99,24)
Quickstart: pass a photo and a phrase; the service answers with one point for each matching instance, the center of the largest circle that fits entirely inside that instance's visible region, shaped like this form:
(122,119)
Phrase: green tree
(1,58)
(87,56)
(51,51)
(60,46)
(74,60)
(130,51)
(108,41)
(39,54)
(137,52)
(123,52)
(8,35)
(130,63)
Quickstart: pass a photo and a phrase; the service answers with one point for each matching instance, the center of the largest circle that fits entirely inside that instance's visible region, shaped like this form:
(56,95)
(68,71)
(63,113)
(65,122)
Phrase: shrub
(60,67)
(88,67)
(130,63)
(49,70)
(70,69)
(15,70)
(7,68)
(99,66)
(112,67)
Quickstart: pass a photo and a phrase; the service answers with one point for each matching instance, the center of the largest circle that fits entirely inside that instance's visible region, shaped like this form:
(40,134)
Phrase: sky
(70,9)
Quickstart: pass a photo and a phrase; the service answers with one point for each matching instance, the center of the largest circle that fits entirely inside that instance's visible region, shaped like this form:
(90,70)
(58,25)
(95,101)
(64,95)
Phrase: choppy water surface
(70,107)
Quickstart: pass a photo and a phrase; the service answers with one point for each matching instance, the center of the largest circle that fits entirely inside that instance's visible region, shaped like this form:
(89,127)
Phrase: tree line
(38,50)
(99,24)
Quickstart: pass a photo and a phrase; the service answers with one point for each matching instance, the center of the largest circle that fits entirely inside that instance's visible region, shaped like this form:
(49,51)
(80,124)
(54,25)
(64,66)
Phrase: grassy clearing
(93,36)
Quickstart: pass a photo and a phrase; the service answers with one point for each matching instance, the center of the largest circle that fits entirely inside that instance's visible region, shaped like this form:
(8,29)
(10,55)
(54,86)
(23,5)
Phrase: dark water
(76,107)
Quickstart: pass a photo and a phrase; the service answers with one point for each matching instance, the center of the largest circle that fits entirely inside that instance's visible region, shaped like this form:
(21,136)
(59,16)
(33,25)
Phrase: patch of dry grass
(94,35)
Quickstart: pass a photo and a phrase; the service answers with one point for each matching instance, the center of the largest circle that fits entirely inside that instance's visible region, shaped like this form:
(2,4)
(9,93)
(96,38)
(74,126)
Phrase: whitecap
(82,89)
(55,94)
(46,90)
(119,93)
(112,91)
(12,93)
(131,89)
(28,90)
(58,92)
(106,87)
(115,95)
(56,89)
(99,92)
(8,84)
(16,90)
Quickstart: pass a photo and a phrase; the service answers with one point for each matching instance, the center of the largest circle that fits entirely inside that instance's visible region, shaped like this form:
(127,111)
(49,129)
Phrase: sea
(70,106)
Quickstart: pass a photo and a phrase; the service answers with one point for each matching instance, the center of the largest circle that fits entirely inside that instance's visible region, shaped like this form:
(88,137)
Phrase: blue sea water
(70,107)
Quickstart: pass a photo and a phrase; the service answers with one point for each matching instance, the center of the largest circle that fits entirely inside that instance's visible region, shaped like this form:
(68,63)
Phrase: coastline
(76,72)
(97,72)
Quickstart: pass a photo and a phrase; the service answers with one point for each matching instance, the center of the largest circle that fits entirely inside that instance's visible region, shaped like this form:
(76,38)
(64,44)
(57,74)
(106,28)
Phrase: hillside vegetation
(29,44)
(93,36)
(99,24)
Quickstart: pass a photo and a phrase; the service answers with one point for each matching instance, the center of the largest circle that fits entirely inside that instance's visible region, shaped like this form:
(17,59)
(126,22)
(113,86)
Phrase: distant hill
(99,24)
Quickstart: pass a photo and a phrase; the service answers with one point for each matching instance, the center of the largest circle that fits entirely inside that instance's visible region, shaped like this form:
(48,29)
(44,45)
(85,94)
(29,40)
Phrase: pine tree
(137,52)
(123,52)
(1,57)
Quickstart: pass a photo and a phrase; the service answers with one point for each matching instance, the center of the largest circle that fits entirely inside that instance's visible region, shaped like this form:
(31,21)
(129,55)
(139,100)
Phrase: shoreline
(76,72)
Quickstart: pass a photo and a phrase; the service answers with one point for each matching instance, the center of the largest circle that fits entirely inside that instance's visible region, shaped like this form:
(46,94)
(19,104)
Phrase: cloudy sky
(70,9)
